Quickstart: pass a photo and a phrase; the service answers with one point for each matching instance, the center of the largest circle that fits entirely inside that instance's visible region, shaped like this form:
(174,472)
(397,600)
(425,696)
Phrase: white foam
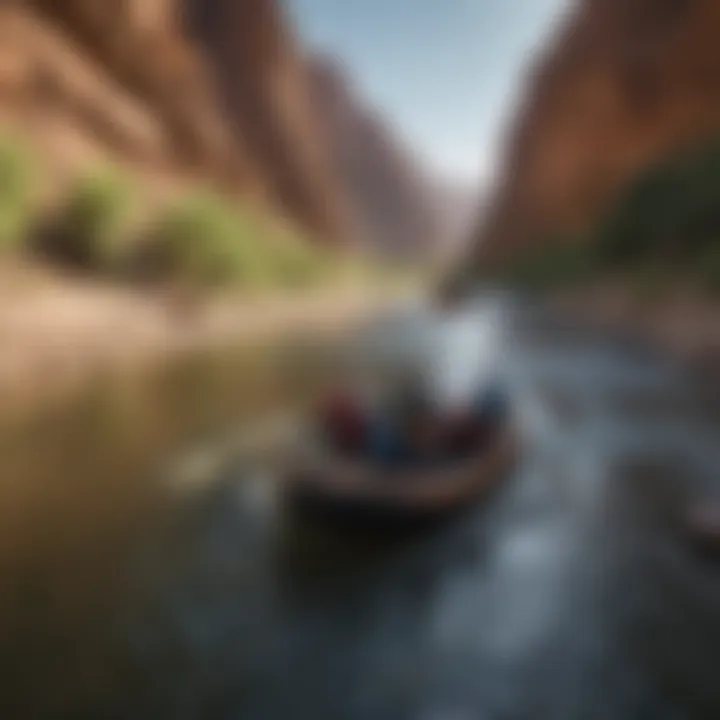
(463,353)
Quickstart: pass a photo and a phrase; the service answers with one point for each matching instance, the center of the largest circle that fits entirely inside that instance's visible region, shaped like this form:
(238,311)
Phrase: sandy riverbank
(678,322)
(57,332)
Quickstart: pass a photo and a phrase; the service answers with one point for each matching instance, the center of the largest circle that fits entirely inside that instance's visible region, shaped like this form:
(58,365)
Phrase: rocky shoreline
(57,334)
(679,324)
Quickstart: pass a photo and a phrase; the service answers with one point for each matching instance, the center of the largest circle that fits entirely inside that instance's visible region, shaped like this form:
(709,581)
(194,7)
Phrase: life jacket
(344,421)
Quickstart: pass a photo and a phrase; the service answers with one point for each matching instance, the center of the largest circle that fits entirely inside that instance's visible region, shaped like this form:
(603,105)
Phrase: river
(147,573)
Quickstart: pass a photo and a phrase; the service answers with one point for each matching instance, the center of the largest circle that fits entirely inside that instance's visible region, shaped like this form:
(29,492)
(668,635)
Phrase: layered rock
(624,83)
(395,200)
(218,91)
(265,87)
(136,49)
(217,95)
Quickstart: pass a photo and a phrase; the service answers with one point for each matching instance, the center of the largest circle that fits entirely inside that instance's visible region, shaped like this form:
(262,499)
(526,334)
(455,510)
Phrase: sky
(447,72)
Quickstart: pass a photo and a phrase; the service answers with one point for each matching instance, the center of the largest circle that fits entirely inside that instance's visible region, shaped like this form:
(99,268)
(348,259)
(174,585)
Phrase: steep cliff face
(214,89)
(220,91)
(84,55)
(267,93)
(624,83)
(459,205)
(395,201)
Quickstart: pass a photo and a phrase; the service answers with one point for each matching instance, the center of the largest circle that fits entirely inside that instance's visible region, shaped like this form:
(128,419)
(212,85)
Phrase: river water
(146,571)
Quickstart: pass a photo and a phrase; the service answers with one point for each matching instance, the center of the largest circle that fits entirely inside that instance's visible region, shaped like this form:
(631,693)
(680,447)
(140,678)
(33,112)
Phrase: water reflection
(148,572)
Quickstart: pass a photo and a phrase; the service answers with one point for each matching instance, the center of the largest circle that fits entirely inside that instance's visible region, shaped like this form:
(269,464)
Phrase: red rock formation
(624,83)
(213,89)
(216,90)
(395,200)
(140,47)
(260,70)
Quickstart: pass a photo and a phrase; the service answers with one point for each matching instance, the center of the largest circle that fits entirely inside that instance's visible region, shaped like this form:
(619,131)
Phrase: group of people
(412,432)
(446,407)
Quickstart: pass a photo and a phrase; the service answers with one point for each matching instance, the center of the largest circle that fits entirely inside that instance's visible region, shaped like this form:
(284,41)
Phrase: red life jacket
(345,421)
(465,430)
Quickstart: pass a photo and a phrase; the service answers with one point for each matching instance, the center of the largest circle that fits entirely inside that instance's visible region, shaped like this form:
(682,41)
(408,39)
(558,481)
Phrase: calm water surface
(146,572)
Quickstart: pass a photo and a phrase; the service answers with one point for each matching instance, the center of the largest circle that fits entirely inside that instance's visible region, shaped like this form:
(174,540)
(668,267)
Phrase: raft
(350,490)
(701,526)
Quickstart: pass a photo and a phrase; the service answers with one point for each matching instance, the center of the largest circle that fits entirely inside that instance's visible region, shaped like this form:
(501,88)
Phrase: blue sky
(446,71)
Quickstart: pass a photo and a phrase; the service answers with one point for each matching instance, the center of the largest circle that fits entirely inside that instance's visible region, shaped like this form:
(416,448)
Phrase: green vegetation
(665,228)
(555,263)
(292,260)
(203,239)
(104,226)
(671,214)
(210,241)
(17,183)
(92,225)
(708,269)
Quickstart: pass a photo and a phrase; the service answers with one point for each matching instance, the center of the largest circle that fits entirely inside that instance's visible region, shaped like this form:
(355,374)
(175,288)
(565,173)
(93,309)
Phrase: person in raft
(442,414)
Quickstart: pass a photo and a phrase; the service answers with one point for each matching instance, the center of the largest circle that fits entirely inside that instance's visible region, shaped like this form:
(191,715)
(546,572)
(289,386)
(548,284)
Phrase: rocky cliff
(212,89)
(396,203)
(217,90)
(624,83)
(122,75)
(267,93)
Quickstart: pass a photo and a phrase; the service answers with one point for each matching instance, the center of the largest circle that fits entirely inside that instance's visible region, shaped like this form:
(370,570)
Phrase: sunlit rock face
(210,90)
(261,72)
(220,91)
(94,57)
(622,83)
(398,204)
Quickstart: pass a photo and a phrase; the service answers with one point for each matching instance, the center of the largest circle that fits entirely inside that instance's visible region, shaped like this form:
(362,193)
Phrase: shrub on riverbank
(103,225)
(202,239)
(92,225)
(557,262)
(670,215)
(17,197)
(208,240)
(664,228)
